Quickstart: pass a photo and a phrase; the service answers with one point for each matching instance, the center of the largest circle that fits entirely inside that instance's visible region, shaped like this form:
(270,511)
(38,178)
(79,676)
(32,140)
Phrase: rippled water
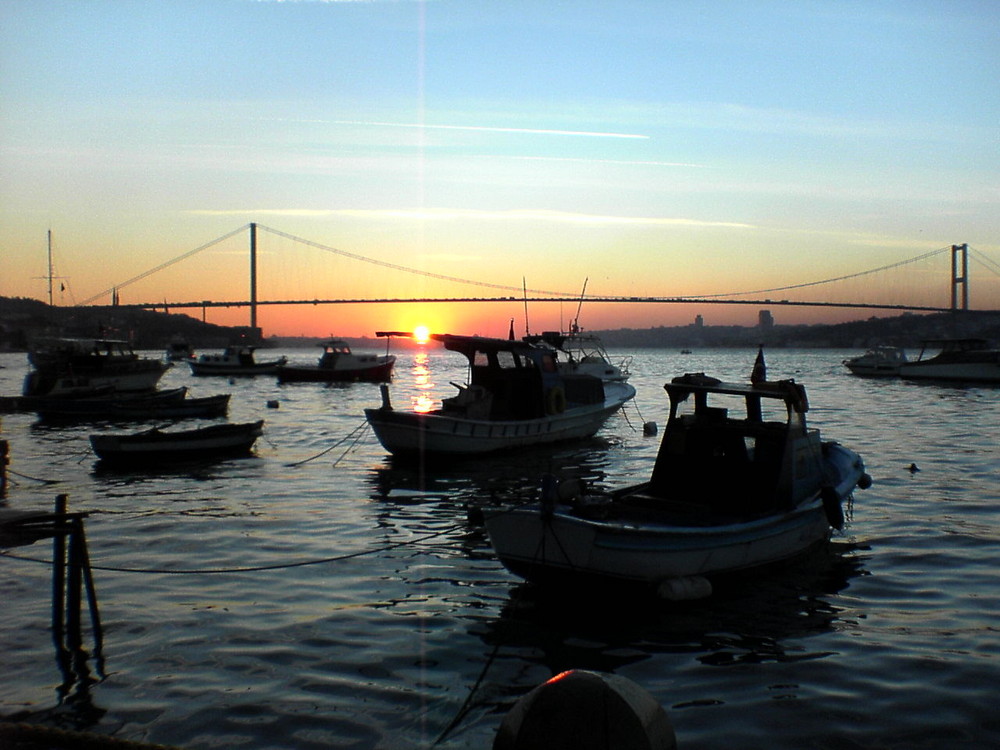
(382,619)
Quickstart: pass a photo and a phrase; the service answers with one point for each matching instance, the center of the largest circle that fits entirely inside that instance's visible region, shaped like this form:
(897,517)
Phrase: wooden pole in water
(59,586)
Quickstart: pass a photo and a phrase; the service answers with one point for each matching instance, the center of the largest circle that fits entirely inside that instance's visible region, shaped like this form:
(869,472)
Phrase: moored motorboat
(515,397)
(583,354)
(727,493)
(178,350)
(877,362)
(971,360)
(71,367)
(235,361)
(338,363)
(157,445)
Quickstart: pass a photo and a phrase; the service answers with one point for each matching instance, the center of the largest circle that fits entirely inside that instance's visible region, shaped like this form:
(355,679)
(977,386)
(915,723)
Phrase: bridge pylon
(959,278)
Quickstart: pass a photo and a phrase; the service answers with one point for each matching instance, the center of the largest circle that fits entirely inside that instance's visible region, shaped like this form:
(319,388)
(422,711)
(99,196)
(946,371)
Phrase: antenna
(576,320)
(524,288)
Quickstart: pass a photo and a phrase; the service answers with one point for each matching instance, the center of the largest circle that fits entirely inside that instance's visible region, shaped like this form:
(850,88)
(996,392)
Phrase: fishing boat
(877,362)
(98,404)
(583,354)
(157,446)
(235,361)
(728,492)
(338,363)
(159,405)
(73,366)
(515,397)
(178,350)
(971,360)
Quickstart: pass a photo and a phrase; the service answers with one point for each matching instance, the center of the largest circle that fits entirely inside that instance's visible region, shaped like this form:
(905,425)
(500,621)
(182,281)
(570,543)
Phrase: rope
(360,433)
(251,569)
(34,479)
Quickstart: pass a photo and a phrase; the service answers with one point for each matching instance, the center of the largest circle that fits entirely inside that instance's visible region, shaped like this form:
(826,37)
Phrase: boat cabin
(752,454)
(511,379)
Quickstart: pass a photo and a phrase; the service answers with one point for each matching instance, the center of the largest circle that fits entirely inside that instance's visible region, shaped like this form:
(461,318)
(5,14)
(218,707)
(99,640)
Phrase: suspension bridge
(957,273)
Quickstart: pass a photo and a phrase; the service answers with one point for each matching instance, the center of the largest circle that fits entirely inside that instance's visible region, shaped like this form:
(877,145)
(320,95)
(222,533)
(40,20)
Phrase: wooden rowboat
(156,445)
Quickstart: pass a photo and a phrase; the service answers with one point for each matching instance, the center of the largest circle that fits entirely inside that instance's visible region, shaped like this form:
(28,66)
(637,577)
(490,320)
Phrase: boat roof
(698,382)
(470,344)
(969,343)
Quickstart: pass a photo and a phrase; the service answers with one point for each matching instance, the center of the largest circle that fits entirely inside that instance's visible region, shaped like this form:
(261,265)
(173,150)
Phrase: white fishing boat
(728,492)
(74,366)
(339,364)
(515,397)
(235,361)
(877,362)
(955,360)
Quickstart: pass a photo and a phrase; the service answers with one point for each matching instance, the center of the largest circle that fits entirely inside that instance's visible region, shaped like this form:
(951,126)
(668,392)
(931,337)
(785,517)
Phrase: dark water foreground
(347,602)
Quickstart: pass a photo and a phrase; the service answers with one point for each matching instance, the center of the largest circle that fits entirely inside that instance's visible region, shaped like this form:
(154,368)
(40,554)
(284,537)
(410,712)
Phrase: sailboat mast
(50,268)
(576,320)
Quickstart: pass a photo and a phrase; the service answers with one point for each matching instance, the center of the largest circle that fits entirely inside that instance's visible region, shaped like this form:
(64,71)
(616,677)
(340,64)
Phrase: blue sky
(653,148)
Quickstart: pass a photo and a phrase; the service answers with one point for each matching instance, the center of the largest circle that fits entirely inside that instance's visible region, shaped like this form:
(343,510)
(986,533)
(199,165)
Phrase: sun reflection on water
(422,401)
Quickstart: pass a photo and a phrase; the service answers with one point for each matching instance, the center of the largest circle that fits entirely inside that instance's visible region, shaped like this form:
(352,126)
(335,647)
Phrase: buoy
(272,404)
(586,710)
(914,468)
(649,429)
(865,481)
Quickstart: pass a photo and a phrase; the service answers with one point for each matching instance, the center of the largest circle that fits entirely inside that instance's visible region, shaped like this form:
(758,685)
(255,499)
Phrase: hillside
(22,320)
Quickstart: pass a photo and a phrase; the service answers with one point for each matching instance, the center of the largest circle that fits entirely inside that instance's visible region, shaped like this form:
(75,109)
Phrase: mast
(50,268)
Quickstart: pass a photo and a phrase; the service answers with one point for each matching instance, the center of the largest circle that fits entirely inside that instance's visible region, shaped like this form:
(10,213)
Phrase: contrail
(486,129)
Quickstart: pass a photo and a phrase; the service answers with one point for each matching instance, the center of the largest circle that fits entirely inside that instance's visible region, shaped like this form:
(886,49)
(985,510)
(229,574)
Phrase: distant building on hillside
(765,321)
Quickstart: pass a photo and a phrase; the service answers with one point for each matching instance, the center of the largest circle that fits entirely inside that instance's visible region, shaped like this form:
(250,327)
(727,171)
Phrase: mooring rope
(255,568)
(357,431)
(34,479)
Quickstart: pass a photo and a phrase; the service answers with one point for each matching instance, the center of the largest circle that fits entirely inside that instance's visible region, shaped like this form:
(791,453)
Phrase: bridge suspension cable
(169,263)
(407,269)
(803,285)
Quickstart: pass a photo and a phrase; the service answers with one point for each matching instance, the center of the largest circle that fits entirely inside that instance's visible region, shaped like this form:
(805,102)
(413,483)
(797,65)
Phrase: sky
(468,148)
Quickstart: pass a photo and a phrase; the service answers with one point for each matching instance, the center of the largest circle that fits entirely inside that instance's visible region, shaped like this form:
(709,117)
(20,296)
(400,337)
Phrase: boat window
(481,360)
(549,363)
(507,360)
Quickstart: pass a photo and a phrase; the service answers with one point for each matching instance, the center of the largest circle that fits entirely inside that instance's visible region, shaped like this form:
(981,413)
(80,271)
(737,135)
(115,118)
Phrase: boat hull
(155,446)
(564,546)
(380,373)
(970,372)
(407,433)
(231,370)
(617,543)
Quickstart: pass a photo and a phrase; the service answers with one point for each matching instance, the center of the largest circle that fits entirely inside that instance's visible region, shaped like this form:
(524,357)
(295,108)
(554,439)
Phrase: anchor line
(359,429)
(256,568)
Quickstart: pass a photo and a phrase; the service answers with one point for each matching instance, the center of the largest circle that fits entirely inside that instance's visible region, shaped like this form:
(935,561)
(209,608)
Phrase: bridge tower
(253,276)
(959,279)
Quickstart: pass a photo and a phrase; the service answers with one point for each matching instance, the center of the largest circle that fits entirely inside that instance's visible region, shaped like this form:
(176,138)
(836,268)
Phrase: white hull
(434,433)
(614,550)
(665,550)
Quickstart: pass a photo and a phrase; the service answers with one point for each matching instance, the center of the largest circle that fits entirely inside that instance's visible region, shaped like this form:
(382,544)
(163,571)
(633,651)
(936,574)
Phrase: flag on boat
(759,373)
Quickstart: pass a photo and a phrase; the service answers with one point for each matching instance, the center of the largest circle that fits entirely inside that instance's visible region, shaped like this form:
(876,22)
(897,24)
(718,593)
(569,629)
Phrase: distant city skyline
(646,148)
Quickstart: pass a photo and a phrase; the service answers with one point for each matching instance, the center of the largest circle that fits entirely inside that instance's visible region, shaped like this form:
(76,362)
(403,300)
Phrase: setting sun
(421,334)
